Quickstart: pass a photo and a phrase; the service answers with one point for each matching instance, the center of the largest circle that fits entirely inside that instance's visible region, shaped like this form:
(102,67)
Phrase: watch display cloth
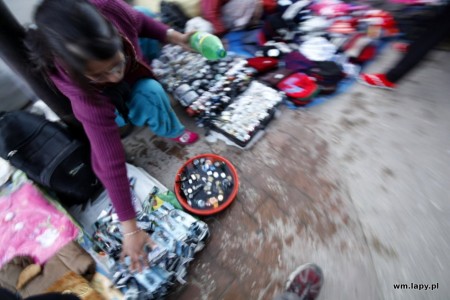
(32,226)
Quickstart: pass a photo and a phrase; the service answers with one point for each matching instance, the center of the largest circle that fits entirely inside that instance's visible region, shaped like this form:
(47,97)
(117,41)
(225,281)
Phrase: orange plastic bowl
(206,212)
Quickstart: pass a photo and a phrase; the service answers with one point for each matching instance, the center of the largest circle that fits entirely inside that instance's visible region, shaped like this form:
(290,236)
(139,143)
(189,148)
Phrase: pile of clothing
(317,44)
(299,21)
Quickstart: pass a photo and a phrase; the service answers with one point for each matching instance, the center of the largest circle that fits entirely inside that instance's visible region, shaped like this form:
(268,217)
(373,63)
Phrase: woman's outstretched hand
(181,39)
(134,244)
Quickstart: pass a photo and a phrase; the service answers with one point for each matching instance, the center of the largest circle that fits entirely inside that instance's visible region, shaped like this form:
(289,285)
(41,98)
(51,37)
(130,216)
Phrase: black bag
(49,155)
(328,74)
(173,15)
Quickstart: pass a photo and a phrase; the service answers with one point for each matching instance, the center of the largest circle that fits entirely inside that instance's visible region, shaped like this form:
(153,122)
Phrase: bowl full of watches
(206,184)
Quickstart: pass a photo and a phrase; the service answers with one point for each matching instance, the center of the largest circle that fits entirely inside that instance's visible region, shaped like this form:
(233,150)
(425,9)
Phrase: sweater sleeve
(211,11)
(145,25)
(108,154)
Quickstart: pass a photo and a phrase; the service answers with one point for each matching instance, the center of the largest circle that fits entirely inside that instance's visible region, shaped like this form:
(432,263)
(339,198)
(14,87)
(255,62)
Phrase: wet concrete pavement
(357,185)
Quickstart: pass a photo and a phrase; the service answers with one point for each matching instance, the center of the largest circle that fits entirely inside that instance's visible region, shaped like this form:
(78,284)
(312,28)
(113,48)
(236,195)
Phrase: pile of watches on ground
(199,84)
(248,114)
(217,92)
(178,237)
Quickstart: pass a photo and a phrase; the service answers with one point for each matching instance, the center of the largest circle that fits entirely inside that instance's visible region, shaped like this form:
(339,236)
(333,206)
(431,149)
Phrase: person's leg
(437,30)
(433,34)
(303,284)
(149,105)
(150,48)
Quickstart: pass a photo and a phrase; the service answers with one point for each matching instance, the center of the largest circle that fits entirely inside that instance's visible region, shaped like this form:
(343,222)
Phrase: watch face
(188,98)
(181,90)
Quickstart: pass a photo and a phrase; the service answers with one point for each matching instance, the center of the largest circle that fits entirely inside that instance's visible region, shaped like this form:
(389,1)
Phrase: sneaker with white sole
(306,281)
(376,80)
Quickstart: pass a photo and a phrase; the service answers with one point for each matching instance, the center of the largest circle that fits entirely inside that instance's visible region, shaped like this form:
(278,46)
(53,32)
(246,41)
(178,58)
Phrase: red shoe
(186,138)
(376,80)
(306,281)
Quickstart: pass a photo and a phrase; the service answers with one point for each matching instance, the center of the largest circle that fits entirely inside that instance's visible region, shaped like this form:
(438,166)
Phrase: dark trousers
(437,30)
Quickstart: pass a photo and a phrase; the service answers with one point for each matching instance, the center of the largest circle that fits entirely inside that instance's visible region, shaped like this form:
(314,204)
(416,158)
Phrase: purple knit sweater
(98,115)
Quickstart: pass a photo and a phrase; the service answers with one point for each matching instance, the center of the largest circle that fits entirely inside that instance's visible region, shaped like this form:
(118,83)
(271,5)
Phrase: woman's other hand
(133,245)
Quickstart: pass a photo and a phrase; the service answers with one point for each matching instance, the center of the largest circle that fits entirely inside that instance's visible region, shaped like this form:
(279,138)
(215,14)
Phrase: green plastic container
(208,45)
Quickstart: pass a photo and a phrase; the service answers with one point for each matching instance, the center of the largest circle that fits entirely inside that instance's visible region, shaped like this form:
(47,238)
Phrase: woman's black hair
(71,32)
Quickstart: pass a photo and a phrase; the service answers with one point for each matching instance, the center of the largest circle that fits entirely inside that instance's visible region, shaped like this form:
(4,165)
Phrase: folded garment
(318,49)
(297,62)
(32,226)
(198,24)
